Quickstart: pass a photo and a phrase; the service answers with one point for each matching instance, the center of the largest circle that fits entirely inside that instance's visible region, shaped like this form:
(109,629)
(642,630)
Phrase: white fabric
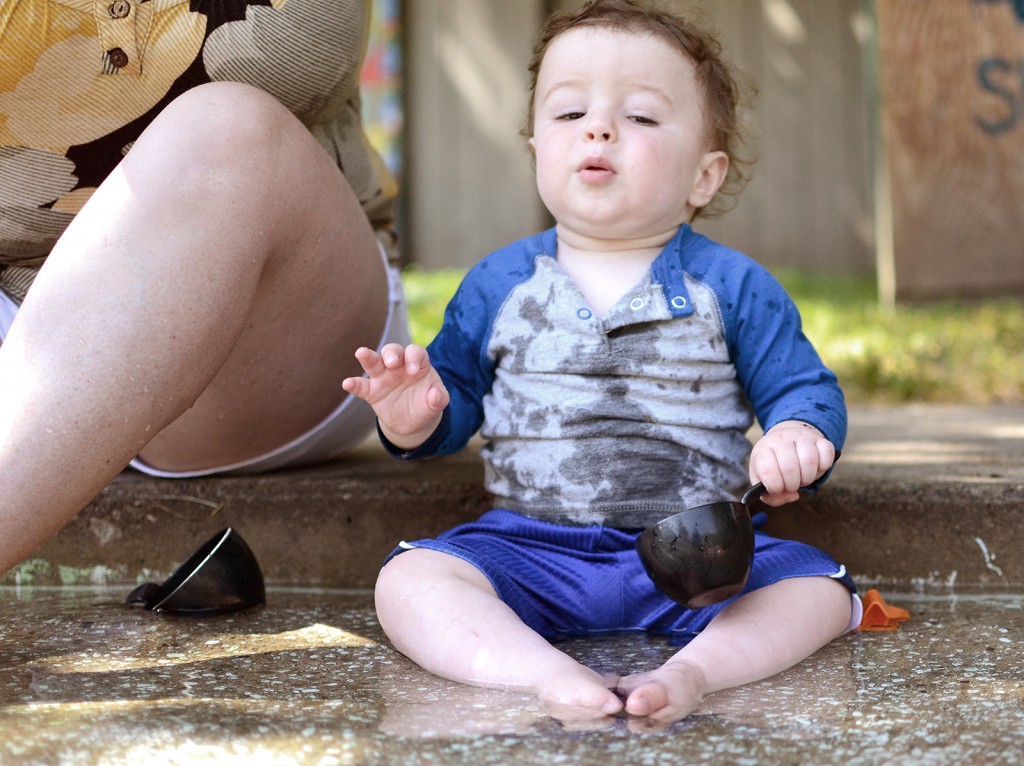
(8,308)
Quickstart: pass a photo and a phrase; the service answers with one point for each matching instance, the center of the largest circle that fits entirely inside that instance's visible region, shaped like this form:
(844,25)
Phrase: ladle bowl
(702,555)
(221,576)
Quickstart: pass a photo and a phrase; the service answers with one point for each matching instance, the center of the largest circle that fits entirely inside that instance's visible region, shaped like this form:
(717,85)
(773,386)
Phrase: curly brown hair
(718,83)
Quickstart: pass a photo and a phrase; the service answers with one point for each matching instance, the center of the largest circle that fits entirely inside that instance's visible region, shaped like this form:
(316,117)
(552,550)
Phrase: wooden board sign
(951,74)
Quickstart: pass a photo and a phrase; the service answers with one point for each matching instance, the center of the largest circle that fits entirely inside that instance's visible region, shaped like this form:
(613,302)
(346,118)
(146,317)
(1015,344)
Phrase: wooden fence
(925,189)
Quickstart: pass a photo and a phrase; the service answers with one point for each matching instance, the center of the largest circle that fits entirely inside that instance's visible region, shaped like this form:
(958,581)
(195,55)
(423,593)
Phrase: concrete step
(925,498)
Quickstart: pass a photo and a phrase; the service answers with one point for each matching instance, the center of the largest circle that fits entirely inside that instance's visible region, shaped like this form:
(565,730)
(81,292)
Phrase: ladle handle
(757,490)
(752,494)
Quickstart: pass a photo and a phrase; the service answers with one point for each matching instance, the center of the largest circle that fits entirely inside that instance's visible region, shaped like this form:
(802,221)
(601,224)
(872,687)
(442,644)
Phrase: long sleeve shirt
(625,418)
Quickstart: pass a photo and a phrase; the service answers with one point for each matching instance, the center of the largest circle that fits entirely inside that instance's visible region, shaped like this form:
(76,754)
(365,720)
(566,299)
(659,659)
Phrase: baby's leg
(444,614)
(761,634)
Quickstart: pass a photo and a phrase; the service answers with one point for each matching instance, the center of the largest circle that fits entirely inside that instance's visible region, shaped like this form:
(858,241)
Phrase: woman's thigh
(297,244)
(343,429)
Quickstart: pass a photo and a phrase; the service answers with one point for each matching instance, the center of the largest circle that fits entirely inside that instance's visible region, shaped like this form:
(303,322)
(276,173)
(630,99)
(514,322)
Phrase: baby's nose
(599,126)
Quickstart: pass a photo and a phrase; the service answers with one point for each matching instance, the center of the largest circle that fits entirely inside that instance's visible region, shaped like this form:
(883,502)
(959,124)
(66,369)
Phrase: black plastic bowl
(222,576)
(702,555)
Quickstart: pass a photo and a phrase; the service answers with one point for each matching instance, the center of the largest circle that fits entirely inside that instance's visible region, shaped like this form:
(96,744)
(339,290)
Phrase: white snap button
(637,303)
(679,302)
(584,313)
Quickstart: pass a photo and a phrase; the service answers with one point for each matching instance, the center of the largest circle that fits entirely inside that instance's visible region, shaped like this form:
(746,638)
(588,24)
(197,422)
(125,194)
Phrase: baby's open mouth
(596,163)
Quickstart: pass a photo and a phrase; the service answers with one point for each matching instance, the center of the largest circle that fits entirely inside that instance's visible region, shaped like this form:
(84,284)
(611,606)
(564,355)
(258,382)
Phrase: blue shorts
(578,581)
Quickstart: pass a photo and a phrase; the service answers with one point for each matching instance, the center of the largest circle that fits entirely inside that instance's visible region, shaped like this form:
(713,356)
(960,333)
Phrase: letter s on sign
(990,69)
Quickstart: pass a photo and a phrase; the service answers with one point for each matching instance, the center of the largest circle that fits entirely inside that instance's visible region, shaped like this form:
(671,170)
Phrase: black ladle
(702,555)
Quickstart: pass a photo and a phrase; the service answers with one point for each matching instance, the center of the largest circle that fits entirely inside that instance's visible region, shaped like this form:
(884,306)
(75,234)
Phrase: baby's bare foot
(667,694)
(579,694)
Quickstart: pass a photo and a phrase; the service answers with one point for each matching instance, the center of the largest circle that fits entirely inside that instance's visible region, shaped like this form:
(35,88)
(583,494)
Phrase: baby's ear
(710,177)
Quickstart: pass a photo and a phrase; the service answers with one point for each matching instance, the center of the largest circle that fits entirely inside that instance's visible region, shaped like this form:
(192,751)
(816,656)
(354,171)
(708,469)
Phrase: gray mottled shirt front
(613,417)
(625,418)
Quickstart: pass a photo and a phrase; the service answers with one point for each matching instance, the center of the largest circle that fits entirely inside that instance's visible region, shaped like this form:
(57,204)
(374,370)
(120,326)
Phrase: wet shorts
(577,581)
(343,429)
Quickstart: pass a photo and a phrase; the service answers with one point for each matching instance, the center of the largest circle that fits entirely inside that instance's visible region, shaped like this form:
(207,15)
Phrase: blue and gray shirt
(625,418)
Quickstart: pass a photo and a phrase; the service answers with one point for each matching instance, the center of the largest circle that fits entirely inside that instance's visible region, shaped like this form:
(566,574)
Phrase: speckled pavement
(927,504)
(309,679)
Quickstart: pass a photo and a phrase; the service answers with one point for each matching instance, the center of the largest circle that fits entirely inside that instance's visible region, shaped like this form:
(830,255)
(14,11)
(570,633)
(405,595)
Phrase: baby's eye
(642,119)
(570,115)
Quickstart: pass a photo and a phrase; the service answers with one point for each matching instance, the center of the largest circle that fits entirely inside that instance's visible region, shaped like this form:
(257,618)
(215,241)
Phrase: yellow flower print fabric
(81,79)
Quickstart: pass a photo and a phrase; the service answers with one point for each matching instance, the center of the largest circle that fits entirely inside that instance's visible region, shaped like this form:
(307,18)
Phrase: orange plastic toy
(879,615)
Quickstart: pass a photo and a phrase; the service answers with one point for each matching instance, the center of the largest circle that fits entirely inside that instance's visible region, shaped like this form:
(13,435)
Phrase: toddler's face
(619,136)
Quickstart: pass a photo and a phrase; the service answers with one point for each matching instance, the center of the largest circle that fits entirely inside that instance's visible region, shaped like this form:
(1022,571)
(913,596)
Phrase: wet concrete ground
(310,679)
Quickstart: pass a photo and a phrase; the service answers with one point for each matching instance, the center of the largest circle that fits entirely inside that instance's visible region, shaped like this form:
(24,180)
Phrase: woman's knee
(212,133)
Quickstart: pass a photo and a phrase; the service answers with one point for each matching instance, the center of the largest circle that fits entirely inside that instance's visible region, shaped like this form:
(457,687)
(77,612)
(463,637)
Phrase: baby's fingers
(371,362)
(392,356)
(826,454)
(357,387)
(809,465)
(415,359)
(437,398)
(412,358)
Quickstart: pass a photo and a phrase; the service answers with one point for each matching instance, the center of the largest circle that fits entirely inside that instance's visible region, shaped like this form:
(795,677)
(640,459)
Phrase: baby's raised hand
(404,390)
(792,454)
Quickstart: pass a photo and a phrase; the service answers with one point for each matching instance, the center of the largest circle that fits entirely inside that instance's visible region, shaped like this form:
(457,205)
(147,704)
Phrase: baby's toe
(647,699)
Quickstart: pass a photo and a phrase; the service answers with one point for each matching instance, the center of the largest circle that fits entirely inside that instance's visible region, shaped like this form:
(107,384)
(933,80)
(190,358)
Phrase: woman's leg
(443,613)
(760,634)
(205,302)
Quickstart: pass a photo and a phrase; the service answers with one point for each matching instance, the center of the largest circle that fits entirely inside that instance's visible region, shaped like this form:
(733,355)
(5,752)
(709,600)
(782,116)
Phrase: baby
(613,366)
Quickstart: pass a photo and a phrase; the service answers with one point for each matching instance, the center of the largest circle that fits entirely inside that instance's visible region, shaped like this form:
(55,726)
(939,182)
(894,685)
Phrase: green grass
(953,352)
(426,295)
